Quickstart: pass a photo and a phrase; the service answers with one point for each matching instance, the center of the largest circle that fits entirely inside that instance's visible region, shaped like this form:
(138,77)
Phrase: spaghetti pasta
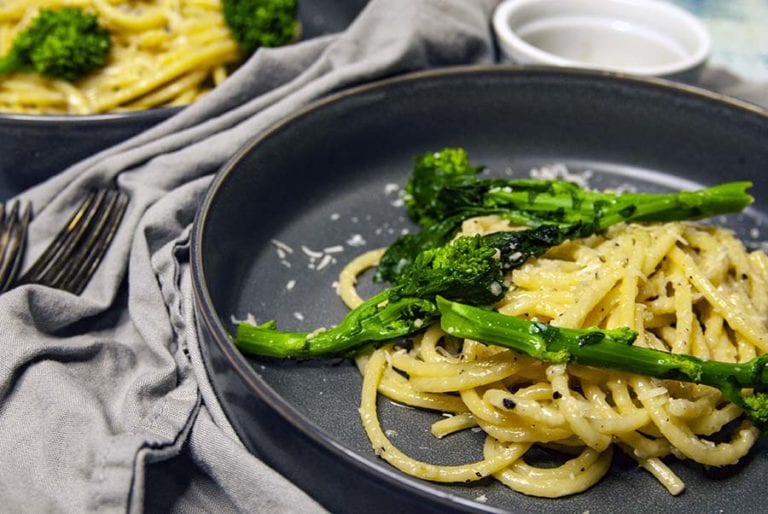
(164,53)
(684,287)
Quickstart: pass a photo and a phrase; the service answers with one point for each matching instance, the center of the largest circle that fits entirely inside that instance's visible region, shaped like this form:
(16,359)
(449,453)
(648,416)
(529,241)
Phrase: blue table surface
(739,35)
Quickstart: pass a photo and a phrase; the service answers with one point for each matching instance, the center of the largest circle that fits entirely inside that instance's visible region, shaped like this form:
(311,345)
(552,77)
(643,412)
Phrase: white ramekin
(640,37)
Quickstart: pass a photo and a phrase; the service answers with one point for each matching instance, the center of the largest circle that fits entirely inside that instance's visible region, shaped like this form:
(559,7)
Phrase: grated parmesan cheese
(312,254)
(282,246)
(249,318)
(356,240)
(560,171)
(391,188)
(324,262)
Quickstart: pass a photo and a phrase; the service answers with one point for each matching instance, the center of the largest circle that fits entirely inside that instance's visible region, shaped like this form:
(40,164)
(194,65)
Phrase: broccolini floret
(257,23)
(64,43)
(433,174)
(468,270)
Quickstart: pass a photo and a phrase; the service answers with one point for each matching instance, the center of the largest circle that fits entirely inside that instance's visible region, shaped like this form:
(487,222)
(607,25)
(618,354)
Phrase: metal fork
(13,237)
(73,256)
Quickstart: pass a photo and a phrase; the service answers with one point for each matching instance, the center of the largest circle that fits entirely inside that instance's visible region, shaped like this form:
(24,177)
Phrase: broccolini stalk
(61,43)
(470,269)
(445,184)
(377,319)
(566,203)
(611,349)
(444,191)
(467,270)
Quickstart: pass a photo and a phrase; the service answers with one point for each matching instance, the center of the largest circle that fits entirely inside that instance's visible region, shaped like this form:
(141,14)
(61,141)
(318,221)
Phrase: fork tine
(98,247)
(63,244)
(72,257)
(66,256)
(14,241)
(6,220)
(20,245)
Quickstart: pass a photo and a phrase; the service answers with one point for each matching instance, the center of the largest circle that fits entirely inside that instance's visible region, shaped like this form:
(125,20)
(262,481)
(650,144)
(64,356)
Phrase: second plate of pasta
(153,69)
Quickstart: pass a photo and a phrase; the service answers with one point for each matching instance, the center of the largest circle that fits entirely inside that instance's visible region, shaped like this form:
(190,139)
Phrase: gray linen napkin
(103,397)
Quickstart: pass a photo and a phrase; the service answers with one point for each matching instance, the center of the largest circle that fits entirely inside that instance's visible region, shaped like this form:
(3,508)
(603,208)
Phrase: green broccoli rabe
(257,23)
(518,246)
(376,319)
(457,282)
(444,191)
(433,173)
(64,43)
(468,270)
(445,184)
(611,349)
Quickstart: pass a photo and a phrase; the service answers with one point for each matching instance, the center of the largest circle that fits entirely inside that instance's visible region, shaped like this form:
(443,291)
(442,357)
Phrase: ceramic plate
(329,177)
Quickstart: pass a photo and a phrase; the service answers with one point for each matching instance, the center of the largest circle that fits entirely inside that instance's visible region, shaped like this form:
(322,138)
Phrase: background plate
(327,177)
(34,148)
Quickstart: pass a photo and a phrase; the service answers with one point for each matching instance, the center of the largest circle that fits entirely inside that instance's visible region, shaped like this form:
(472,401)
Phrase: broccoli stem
(444,184)
(444,190)
(547,203)
(376,319)
(470,270)
(609,349)
(535,202)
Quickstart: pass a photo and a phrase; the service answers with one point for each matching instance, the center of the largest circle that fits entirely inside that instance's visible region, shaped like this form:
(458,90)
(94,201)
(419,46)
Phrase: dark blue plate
(324,177)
